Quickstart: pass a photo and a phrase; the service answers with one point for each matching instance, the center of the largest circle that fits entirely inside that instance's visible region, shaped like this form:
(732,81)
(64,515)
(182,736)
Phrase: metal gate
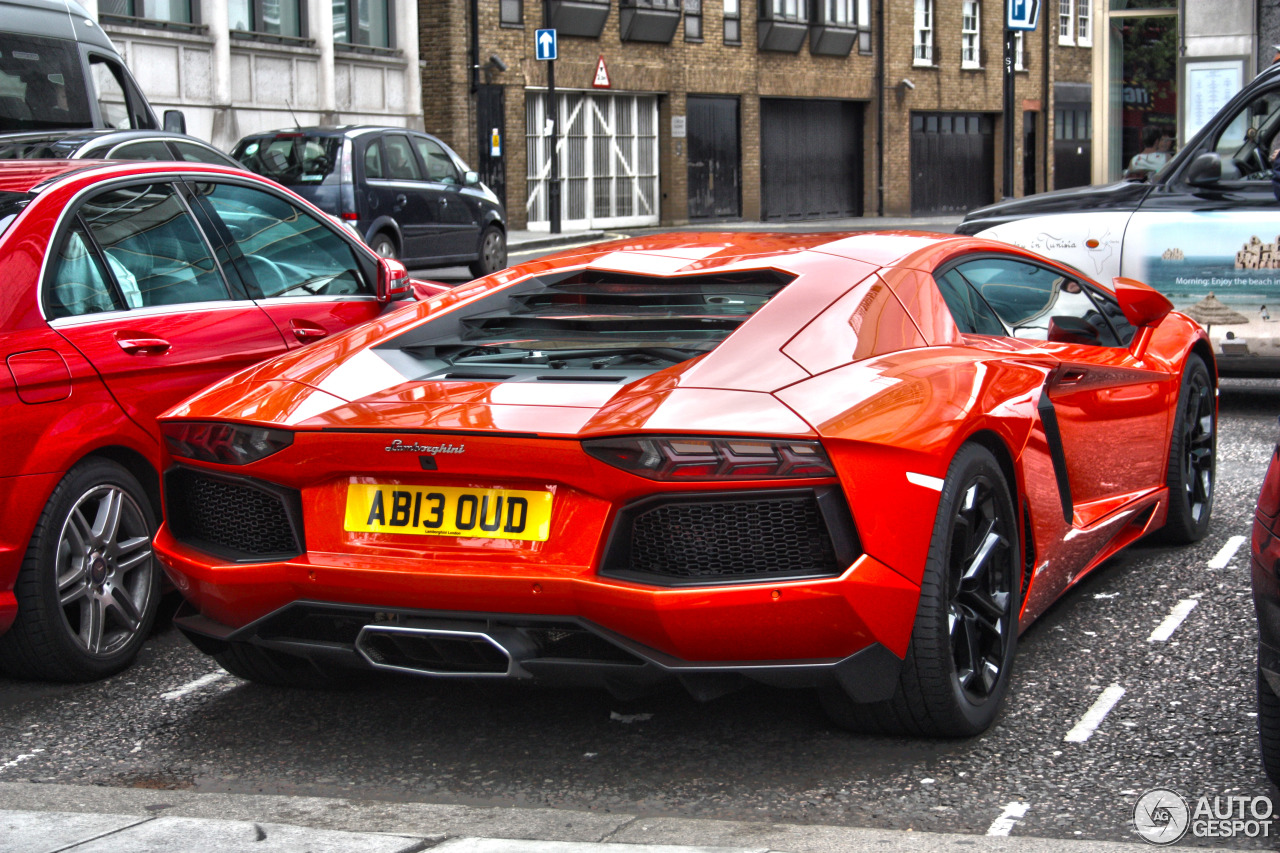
(608,151)
(810,159)
(953,162)
(715,158)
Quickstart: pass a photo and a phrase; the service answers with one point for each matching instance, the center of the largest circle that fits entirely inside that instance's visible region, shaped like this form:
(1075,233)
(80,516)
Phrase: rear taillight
(350,215)
(699,458)
(227,444)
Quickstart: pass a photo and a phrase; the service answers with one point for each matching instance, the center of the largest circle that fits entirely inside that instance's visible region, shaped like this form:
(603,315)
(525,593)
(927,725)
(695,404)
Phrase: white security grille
(608,150)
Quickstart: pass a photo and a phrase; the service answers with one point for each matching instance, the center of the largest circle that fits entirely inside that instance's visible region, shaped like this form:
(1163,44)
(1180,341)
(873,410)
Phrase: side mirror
(1205,170)
(471,178)
(393,280)
(1073,330)
(1142,304)
(1144,307)
(175,121)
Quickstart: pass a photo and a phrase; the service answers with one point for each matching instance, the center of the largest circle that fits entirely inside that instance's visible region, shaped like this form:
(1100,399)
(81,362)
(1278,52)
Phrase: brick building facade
(933,93)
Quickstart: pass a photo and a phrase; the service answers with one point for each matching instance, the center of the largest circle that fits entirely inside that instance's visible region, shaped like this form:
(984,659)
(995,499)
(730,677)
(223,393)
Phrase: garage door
(810,159)
(953,162)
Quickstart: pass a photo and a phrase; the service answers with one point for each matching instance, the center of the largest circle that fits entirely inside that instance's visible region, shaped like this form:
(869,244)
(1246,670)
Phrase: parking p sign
(1022,14)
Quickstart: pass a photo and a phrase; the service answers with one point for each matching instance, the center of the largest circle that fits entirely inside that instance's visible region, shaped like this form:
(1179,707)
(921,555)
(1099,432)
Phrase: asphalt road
(1184,720)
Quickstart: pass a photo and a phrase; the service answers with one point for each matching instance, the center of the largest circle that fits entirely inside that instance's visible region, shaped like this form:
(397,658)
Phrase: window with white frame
(970,42)
(1084,24)
(785,10)
(924,33)
(1019,50)
(838,13)
(1066,22)
(864,26)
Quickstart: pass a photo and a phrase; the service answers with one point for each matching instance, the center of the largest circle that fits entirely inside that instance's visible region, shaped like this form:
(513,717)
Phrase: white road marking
(1095,715)
(26,756)
(1171,622)
(1012,813)
(193,686)
(1228,551)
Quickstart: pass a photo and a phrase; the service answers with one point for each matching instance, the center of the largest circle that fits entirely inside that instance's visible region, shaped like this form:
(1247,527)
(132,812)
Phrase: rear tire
(1192,457)
(1269,729)
(384,245)
(89,586)
(956,671)
(267,666)
(493,252)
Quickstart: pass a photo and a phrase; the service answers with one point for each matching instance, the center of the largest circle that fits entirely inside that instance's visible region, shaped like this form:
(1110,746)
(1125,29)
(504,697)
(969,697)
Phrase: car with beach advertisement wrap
(1204,230)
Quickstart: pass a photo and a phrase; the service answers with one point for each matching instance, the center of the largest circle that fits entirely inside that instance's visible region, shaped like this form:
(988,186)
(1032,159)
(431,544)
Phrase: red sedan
(127,287)
(860,463)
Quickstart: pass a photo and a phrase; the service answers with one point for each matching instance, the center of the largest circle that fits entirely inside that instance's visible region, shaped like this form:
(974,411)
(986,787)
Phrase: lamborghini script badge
(399,446)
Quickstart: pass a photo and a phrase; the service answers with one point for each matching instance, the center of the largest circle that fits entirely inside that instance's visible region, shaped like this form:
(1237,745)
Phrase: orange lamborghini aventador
(855,462)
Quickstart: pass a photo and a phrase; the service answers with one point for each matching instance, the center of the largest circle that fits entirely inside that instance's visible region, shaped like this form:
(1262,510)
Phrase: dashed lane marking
(1228,551)
(1093,718)
(193,686)
(1012,813)
(26,756)
(1171,622)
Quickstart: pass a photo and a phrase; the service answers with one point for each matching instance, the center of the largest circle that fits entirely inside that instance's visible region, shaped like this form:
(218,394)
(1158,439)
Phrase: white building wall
(230,87)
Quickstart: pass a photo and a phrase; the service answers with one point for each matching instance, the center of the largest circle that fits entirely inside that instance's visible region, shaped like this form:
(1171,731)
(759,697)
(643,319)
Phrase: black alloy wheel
(956,672)
(1192,456)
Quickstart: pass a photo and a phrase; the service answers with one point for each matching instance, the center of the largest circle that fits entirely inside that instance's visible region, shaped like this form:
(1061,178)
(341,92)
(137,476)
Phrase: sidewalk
(44,818)
(533,240)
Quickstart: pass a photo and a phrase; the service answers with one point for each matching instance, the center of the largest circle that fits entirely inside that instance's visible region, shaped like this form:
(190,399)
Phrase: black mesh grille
(234,517)
(768,537)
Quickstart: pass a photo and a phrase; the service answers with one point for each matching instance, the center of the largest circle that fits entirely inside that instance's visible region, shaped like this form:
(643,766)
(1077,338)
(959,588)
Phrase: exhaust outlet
(441,652)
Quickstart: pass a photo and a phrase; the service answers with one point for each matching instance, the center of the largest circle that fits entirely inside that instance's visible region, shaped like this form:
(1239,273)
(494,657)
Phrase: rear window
(292,158)
(584,326)
(42,85)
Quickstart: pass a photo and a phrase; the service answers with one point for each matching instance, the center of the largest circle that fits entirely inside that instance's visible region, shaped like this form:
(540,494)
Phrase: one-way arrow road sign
(544,44)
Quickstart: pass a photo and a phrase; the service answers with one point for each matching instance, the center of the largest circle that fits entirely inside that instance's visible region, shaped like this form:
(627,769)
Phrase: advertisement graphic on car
(1204,230)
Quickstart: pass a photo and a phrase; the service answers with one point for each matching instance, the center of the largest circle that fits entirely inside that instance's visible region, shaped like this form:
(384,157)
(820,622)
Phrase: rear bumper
(546,649)
(756,629)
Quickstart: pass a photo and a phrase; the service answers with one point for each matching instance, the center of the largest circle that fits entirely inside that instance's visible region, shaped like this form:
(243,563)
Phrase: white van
(59,71)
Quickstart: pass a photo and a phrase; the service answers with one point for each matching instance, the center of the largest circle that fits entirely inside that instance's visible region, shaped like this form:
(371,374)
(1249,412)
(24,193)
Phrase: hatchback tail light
(701,458)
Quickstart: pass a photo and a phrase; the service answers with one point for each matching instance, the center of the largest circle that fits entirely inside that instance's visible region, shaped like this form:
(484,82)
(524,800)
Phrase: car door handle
(139,343)
(1072,375)
(307,332)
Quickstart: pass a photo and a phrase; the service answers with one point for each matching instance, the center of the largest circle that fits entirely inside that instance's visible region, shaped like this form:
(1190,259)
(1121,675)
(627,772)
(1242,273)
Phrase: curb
(89,819)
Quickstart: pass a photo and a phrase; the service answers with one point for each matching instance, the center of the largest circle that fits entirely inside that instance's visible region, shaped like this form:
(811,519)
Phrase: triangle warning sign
(602,75)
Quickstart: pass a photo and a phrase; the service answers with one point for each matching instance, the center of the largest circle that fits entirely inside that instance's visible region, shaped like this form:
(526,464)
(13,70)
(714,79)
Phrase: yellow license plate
(436,511)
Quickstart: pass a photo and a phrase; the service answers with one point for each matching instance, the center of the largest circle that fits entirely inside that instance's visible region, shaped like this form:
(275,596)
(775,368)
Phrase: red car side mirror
(393,279)
(1142,304)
